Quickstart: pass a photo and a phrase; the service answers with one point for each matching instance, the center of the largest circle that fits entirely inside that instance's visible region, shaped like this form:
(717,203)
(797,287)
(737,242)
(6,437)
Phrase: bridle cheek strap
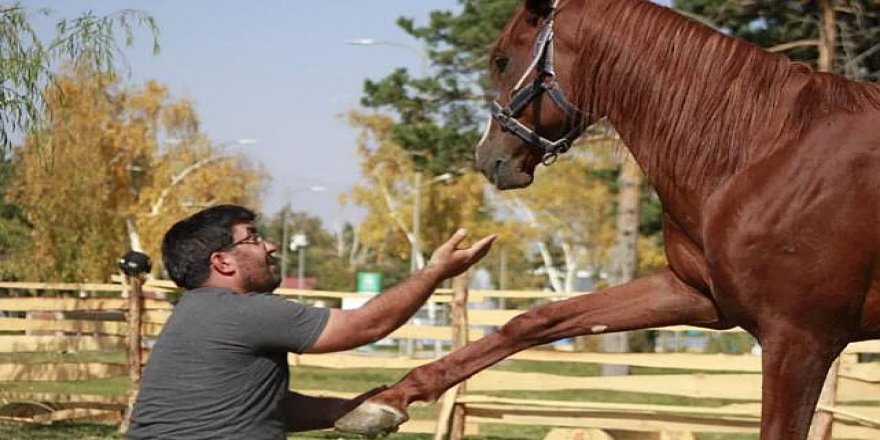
(545,81)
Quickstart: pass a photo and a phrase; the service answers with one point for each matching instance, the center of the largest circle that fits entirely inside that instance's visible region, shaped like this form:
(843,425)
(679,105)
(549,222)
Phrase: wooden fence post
(452,414)
(135,265)
(823,419)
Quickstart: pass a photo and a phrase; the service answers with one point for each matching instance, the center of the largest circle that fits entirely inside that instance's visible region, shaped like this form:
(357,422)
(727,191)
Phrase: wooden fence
(93,317)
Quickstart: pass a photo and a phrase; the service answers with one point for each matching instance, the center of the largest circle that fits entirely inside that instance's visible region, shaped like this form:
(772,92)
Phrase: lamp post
(286,242)
(416,259)
(298,243)
(376,42)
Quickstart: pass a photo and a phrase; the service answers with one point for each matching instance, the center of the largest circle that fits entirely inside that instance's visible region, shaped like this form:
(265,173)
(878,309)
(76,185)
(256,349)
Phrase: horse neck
(682,96)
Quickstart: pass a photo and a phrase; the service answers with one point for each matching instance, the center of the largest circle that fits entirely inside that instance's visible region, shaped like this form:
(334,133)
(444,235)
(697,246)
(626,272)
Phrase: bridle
(545,81)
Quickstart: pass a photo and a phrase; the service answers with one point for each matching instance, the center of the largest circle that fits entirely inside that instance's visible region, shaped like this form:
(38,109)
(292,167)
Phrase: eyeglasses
(252,238)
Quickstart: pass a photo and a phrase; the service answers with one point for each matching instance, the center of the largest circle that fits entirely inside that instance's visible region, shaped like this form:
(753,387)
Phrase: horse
(768,175)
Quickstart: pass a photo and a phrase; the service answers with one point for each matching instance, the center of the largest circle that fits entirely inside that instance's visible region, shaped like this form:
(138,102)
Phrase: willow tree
(26,60)
(97,176)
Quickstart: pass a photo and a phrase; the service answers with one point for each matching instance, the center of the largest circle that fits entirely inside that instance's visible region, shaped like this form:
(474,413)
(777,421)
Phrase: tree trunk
(823,420)
(134,239)
(625,259)
(827,37)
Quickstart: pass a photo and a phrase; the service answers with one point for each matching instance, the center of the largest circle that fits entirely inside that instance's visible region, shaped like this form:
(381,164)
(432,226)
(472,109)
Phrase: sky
(277,71)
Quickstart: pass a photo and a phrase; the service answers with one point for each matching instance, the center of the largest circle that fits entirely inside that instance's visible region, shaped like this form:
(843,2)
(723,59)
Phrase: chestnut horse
(769,175)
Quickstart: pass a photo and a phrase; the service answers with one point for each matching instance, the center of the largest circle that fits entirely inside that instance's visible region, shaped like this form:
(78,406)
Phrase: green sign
(369,282)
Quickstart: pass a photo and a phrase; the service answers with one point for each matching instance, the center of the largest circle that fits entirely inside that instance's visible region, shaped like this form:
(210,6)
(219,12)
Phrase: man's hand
(347,329)
(450,261)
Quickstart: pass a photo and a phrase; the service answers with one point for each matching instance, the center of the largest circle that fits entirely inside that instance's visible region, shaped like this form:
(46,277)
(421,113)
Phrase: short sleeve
(274,323)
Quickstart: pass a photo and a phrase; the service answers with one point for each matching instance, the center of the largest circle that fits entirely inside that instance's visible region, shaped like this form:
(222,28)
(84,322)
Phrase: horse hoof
(371,420)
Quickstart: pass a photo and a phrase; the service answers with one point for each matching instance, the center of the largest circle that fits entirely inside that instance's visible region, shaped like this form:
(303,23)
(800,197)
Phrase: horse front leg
(653,301)
(795,364)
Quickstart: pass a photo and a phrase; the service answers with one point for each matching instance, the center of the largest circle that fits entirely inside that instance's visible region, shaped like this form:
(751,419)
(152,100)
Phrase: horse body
(768,176)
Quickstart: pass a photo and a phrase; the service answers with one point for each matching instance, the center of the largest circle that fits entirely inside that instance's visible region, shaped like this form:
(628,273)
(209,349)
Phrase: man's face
(257,264)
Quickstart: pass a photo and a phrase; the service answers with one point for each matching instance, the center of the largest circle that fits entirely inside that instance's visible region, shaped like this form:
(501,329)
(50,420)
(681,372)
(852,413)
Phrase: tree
(97,174)
(14,229)
(27,62)
(452,101)
(440,115)
(387,192)
(323,259)
(568,213)
(838,35)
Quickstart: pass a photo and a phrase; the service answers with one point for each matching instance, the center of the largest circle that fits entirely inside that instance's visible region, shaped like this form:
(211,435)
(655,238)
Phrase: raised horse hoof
(371,420)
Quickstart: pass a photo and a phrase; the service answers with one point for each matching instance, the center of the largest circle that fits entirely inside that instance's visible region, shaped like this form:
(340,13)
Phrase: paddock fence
(46,320)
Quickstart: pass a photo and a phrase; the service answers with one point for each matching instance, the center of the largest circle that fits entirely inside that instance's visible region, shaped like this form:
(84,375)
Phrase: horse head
(533,120)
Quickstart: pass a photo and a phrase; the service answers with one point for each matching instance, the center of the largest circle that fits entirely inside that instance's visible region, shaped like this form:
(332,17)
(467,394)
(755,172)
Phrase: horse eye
(500,63)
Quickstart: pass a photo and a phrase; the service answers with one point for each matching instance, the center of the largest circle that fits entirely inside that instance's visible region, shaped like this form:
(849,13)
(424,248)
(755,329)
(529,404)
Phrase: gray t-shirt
(219,369)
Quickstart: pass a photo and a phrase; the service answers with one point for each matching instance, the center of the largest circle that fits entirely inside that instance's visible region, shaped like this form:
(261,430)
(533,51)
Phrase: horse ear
(541,8)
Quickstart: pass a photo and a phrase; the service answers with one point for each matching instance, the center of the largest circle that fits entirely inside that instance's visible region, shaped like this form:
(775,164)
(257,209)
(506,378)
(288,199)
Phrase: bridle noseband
(545,81)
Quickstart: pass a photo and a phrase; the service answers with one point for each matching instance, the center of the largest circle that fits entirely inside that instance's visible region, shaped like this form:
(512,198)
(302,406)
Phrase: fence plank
(61,371)
(864,347)
(342,360)
(866,372)
(18,343)
(429,332)
(720,386)
(67,325)
(71,304)
(74,399)
(689,361)
(477,317)
(77,414)
(72,287)
(627,422)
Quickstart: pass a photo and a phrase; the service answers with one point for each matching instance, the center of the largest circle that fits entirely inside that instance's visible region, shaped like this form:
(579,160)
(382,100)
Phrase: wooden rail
(99,327)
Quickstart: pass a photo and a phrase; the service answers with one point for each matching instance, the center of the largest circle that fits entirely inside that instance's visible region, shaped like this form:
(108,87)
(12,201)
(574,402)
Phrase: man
(219,369)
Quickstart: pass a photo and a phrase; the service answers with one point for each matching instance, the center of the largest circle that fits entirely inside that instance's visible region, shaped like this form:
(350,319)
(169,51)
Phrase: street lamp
(416,261)
(298,243)
(286,243)
(376,42)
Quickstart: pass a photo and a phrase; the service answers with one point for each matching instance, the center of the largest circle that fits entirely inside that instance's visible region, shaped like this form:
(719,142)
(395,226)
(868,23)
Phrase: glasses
(252,238)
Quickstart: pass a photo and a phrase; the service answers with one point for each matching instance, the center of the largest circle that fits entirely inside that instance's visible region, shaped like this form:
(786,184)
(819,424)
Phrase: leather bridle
(545,81)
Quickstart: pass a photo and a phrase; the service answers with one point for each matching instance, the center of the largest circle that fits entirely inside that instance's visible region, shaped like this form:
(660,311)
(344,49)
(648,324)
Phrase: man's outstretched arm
(347,329)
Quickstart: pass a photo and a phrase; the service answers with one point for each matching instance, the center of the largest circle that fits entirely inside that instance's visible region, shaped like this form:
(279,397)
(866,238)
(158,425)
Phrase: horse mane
(699,98)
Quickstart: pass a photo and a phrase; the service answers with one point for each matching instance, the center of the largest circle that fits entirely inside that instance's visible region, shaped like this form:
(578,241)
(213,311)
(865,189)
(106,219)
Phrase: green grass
(58,431)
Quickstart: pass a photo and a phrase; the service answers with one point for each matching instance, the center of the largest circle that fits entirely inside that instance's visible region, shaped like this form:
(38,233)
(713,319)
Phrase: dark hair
(188,245)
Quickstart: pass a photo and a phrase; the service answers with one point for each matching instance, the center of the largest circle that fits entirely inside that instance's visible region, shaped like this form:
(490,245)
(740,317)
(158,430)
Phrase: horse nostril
(496,169)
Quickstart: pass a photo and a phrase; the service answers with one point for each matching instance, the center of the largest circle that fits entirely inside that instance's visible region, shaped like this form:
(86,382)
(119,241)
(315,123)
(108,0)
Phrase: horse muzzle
(506,173)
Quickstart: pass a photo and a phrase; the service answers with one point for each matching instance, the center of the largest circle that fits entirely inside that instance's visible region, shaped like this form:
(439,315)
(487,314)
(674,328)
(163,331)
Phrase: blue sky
(278,71)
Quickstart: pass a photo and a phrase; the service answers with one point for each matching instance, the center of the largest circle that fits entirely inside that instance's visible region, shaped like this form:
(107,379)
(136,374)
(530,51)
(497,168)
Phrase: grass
(345,380)
(103,431)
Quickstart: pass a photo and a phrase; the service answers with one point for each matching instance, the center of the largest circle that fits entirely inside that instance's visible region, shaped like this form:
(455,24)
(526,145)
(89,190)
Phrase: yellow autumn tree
(97,177)
(567,218)
(387,191)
